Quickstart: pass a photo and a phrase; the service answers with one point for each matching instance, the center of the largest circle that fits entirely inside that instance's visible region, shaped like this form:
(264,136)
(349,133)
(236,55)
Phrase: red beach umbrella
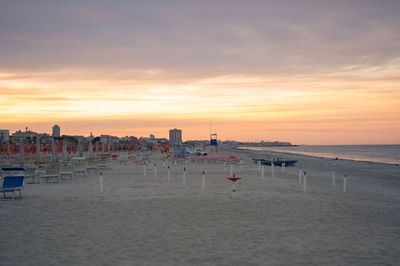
(233,179)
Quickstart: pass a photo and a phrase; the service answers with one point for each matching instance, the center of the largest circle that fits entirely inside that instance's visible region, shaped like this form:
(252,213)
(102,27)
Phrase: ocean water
(371,153)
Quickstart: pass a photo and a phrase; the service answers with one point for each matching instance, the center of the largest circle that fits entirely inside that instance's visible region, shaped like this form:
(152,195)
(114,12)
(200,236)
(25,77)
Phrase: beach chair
(102,164)
(30,172)
(66,170)
(12,184)
(79,167)
(52,173)
(91,165)
(39,172)
(13,171)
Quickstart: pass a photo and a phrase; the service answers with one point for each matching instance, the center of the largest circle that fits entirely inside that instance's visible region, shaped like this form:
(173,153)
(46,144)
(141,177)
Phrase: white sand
(148,221)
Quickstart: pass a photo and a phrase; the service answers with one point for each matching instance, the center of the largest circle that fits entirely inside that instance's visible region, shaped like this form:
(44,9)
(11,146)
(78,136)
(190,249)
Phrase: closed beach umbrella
(80,148)
(64,147)
(53,149)
(37,149)
(21,153)
(90,147)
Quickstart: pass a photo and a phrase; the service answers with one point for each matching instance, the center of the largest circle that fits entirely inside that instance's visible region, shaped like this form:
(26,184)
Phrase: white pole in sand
(163,164)
(241,163)
(305,180)
(175,164)
(203,185)
(155,169)
(169,174)
(333,179)
(224,167)
(231,169)
(300,174)
(283,167)
(262,171)
(101,182)
(344,183)
(272,168)
(184,176)
(259,165)
(144,169)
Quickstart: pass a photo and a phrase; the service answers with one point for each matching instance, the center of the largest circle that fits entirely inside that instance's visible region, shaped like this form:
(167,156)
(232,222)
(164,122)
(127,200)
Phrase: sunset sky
(307,72)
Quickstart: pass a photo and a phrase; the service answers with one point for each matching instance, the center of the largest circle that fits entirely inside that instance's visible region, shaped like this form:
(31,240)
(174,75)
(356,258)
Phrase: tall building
(56,131)
(4,135)
(175,136)
(175,143)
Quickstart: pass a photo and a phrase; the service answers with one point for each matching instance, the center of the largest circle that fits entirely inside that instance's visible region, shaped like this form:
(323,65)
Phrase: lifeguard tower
(214,141)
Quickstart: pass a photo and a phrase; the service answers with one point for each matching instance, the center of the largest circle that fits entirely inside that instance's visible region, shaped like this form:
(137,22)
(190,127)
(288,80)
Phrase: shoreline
(314,156)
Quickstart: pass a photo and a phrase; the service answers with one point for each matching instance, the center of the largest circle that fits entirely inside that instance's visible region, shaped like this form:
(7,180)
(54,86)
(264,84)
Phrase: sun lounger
(102,164)
(30,172)
(52,173)
(66,169)
(39,172)
(79,168)
(91,165)
(12,184)
(13,171)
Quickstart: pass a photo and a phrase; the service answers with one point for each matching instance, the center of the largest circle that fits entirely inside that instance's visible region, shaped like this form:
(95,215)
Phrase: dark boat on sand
(277,162)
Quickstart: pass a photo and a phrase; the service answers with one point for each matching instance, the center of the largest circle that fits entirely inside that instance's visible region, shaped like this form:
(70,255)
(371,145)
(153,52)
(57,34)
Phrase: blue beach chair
(11,184)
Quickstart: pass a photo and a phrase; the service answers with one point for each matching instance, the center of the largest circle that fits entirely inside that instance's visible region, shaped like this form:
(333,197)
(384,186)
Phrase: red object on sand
(233,179)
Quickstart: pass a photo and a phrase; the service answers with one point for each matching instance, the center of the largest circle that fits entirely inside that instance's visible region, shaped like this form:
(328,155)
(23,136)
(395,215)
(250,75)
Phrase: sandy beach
(144,220)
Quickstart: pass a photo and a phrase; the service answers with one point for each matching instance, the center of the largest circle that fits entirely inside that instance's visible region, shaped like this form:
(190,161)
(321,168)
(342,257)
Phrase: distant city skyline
(305,72)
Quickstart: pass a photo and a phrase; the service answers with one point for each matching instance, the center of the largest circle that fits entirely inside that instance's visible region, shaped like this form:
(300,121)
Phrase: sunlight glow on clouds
(258,69)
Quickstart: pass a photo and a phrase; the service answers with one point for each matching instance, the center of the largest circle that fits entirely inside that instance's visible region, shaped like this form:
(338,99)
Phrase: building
(4,135)
(107,139)
(175,143)
(56,131)
(175,136)
(20,136)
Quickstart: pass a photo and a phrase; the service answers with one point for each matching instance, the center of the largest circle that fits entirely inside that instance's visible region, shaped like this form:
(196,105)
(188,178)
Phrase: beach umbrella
(53,149)
(64,149)
(90,147)
(80,148)
(21,153)
(233,179)
(37,149)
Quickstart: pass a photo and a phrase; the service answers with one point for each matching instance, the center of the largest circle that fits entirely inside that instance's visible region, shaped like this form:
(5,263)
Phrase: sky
(307,72)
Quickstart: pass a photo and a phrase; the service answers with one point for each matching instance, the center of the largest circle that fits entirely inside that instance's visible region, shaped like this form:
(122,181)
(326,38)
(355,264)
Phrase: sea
(371,153)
